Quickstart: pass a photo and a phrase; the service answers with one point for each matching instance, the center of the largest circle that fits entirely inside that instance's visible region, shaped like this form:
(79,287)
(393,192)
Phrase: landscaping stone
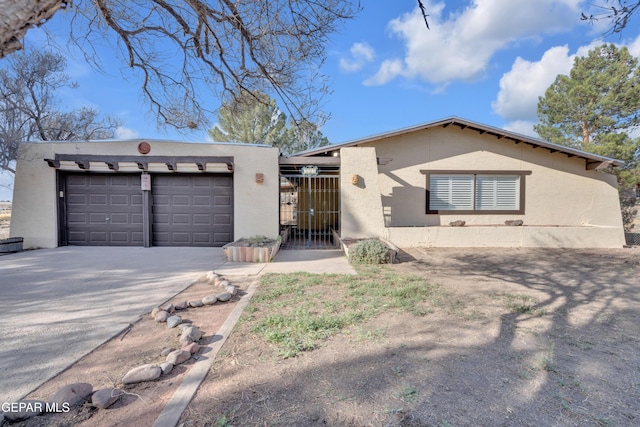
(218,280)
(73,394)
(174,321)
(168,308)
(192,334)
(195,303)
(25,410)
(225,296)
(211,277)
(178,356)
(105,397)
(458,223)
(209,300)
(184,325)
(191,347)
(181,306)
(514,222)
(162,316)
(155,311)
(233,290)
(166,367)
(148,372)
(224,283)
(166,351)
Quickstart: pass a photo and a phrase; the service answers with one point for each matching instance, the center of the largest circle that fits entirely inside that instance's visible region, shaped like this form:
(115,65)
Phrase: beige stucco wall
(360,204)
(560,192)
(35,196)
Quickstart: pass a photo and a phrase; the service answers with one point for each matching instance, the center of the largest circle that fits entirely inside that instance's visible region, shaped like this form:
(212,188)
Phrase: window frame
(519,211)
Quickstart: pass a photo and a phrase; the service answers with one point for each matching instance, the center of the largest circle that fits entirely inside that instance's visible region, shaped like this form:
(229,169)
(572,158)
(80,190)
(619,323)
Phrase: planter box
(241,251)
(12,244)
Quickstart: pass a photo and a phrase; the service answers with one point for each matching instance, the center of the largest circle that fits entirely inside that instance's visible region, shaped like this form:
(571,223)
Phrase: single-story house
(406,186)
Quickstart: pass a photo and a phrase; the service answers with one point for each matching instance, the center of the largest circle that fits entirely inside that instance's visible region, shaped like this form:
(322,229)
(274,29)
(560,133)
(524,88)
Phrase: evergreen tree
(254,118)
(302,136)
(595,106)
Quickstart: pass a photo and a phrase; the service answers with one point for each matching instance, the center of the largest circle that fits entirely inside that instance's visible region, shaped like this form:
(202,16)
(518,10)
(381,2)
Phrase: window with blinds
(494,192)
(497,192)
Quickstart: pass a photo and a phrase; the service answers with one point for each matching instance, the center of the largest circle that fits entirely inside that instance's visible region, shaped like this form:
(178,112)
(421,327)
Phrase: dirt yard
(524,338)
(504,337)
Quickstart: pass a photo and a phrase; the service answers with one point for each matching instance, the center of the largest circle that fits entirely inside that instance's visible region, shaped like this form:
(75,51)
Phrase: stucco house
(405,186)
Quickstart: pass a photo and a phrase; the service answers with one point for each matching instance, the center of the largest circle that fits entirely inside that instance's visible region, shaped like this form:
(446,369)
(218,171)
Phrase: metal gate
(309,211)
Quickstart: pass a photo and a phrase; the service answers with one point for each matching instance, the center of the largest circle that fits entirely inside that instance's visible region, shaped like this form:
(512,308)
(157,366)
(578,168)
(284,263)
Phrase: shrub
(371,251)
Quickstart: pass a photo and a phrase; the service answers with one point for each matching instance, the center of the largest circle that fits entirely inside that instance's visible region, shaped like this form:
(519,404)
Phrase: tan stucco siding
(360,202)
(559,190)
(35,194)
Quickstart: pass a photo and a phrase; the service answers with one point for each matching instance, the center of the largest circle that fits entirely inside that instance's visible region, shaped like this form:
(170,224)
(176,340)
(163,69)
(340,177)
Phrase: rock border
(73,396)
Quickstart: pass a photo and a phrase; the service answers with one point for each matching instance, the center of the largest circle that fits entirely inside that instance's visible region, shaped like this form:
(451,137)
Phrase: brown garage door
(192,210)
(103,209)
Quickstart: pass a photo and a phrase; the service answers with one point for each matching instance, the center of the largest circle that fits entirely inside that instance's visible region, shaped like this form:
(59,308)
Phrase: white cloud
(523,127)
(361,53)
(126,133)
(520,87)
(526,81)
(459,46)
(388,70)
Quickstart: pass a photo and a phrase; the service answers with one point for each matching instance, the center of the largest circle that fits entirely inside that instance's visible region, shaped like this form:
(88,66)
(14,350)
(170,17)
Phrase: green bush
(371,251)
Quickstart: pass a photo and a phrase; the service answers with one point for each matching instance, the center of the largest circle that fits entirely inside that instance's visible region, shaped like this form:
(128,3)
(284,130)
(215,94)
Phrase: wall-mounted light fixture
(355,179)
(259,178)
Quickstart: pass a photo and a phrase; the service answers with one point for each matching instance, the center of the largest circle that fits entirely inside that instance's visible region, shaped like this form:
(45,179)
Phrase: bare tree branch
(17,17)
(617,12)
(424,13)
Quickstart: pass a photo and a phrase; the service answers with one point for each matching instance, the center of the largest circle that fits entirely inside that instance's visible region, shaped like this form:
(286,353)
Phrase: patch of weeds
(398,370)
(222,421)
(407,394)
(298,330)
(564,403)
(525,374)
(546,361)
(296,311)
(522,304)
(370,334)
(605,421)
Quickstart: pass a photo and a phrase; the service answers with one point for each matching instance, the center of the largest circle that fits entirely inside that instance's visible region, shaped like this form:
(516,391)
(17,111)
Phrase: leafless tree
(187,51)
(29,108)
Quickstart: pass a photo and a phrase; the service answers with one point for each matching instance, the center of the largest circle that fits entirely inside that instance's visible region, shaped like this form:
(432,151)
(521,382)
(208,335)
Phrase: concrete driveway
(59,304)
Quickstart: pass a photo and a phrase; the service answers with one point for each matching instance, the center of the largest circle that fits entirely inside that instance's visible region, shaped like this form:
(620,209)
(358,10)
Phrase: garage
(103,209)
(108,209)
(192,210)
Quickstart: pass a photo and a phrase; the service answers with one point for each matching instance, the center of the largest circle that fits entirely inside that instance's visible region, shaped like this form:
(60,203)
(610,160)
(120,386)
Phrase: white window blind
(497,192)
(474,192)
(451,192)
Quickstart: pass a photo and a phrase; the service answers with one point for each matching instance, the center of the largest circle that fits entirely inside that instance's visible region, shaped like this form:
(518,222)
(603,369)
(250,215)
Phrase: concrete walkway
(292,261)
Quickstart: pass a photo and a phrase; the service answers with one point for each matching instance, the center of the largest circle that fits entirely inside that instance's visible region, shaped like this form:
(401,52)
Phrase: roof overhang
(86,162)
(593,161)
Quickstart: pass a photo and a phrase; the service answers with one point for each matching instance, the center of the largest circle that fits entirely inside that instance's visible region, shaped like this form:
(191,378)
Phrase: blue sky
(483,60)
